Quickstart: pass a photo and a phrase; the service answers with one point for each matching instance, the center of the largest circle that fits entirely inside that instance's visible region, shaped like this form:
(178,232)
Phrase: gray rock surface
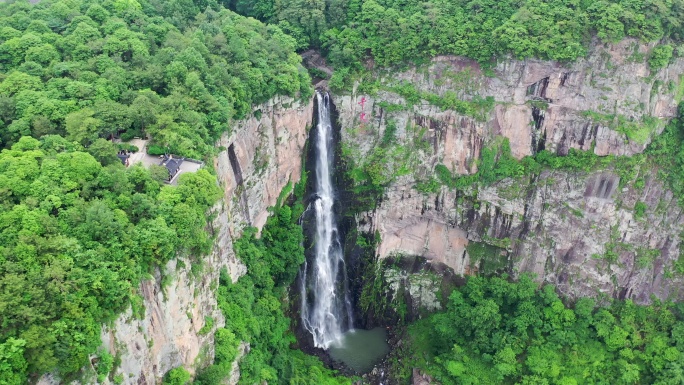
(608,82)
(559,226)
(575,230)
(269,151)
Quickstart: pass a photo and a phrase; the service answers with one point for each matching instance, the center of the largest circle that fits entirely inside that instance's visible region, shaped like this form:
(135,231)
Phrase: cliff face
(170,334)
(587,233)
(580,232)
(266,150)
(538,104)
(259,156)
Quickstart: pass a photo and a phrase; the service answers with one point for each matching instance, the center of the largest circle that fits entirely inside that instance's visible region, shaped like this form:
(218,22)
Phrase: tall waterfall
(326,308)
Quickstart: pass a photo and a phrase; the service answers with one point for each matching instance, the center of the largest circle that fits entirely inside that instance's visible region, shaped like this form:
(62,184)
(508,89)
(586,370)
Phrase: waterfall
(325,307)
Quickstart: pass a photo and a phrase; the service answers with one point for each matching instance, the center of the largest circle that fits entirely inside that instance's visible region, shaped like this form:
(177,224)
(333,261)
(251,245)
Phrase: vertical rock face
(259,156)
(578,231)
(588,233)
(168,335)
(587,105)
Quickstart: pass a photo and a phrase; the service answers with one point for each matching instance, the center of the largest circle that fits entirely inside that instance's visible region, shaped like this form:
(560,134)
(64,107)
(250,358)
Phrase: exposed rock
(243,349)
(419,378)
(564,227)
(267,154)
(422,288)
(539,104)
(167,336)
(558,226)
(266,151)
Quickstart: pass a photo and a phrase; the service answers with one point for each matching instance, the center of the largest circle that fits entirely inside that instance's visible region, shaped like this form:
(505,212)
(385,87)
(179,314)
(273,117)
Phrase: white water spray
(326,309)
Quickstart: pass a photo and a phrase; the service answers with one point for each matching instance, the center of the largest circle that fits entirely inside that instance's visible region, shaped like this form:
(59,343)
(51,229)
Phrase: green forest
(354,33)
(79,231)
(93,69)
(495,331)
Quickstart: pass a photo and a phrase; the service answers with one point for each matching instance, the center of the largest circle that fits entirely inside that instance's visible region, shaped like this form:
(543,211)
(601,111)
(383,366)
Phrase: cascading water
(326,309)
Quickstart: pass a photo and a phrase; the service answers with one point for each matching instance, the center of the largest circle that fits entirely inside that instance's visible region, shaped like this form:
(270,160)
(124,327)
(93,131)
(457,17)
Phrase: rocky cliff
(258,157)
(594,104)
(588,233)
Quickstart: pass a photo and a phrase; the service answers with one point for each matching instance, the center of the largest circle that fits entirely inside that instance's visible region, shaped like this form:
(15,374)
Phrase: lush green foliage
(393,31)
(660,56)
(86,69)
(667,150)
(177,376)
(478,108)
(253,307)
(499,332)
(76,238)
(496,163)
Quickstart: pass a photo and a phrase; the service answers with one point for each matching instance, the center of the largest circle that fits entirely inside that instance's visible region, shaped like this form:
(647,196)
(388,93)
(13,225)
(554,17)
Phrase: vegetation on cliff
(78,231)
(495,331)
(667,150)
(254,310)
(76,238)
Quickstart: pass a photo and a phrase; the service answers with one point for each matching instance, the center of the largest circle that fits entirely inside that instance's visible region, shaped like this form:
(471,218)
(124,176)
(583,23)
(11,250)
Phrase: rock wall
(266,151)
(538,104)
(168,335)
(579,231)
(260,155)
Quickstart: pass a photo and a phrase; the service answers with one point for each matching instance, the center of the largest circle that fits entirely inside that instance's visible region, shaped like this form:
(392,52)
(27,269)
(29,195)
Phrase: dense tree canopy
(76,237)
(87,69)
(499,332)
(392,31)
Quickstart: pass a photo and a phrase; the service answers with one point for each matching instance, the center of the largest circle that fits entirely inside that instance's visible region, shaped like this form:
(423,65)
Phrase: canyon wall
(537,104)
(589,233)
(260,155)
(266,151)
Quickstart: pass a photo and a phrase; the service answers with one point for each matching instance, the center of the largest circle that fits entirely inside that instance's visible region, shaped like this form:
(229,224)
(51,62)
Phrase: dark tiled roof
(123,158)
(173,165)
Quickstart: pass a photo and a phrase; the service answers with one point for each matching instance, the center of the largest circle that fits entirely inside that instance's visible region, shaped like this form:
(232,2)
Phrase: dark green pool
(361,349)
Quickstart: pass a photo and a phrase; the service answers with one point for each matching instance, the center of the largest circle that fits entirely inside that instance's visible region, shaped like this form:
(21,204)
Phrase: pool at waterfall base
(360,349)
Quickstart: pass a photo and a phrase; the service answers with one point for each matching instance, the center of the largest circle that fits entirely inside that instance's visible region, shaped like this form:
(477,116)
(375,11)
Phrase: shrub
(660,56)
(156,150)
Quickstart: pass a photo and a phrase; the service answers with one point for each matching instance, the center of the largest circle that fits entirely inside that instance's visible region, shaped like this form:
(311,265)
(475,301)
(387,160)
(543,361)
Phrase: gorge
(440,226)
(474,191)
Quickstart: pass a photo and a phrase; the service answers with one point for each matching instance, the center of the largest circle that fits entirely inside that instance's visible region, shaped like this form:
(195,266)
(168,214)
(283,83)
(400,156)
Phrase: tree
(660,56)
(82,127)
(12,363)
(104,151)
(177,376)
